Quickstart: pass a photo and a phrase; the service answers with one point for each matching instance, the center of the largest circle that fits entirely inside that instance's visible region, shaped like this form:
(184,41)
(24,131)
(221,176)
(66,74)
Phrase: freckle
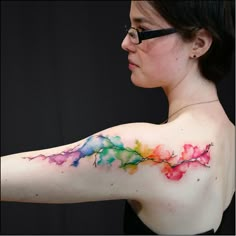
(36,195)
(62,172)
(216,178)
(111,184)
(198,179)
(136,190)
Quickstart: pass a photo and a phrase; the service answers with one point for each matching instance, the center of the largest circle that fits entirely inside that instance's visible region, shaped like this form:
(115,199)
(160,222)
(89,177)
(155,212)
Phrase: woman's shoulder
(182,155)
(183,147)
(174,149)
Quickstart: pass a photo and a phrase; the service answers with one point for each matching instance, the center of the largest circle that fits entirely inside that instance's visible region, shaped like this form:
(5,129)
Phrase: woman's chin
(140,83)
(137,82)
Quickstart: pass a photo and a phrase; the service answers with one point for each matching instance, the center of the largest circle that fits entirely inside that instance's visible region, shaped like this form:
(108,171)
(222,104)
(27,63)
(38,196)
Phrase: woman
(178,176)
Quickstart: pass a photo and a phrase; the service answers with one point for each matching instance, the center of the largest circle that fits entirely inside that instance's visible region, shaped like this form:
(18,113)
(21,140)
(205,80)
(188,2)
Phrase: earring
(194,56)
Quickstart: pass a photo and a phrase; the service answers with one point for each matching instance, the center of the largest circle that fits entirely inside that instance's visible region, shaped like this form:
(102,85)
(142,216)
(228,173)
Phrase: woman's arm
(99,167)
(112,164)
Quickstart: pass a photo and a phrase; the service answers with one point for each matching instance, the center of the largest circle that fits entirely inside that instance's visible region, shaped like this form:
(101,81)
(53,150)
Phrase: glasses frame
(149,34)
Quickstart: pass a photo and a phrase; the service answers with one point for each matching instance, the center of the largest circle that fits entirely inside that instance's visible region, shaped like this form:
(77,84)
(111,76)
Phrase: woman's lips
(132,65)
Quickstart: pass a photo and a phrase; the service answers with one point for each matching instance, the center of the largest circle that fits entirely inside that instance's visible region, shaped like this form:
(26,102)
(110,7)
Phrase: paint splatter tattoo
(107,150)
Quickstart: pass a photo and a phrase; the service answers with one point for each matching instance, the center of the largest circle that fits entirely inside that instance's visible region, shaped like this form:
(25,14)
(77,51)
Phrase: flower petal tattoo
(107,150)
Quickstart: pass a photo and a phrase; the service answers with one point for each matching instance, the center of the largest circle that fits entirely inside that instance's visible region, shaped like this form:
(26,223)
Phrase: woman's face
(157,62)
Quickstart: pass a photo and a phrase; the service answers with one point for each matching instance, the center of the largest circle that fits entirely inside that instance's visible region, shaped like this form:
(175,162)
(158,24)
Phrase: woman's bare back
(195,202)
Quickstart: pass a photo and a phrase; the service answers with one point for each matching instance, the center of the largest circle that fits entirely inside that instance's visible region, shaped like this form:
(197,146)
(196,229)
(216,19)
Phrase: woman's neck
(190,91)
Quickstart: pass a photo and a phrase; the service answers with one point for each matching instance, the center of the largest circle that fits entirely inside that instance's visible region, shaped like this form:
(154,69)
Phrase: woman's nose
(127,45)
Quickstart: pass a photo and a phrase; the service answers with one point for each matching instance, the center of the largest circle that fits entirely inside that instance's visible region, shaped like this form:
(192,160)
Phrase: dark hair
(217,17)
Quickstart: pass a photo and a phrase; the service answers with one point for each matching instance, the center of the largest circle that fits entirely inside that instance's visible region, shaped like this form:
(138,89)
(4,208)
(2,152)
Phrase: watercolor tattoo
(108,150)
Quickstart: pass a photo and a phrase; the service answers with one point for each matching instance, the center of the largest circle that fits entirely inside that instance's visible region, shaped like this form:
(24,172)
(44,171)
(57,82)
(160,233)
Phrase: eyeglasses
(137,36)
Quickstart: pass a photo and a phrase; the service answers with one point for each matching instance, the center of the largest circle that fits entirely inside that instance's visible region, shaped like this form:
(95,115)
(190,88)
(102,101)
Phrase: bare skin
(166,206)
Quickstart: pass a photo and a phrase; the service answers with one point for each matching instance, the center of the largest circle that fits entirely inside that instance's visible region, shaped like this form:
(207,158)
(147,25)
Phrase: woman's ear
(201,43)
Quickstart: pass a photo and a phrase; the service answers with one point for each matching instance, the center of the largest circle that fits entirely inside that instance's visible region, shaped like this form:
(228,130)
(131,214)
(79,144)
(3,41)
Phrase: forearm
(25,180)
(13,187)
(18,179)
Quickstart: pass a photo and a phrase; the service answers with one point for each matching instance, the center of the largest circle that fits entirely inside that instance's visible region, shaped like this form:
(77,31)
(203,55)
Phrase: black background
(64,77)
